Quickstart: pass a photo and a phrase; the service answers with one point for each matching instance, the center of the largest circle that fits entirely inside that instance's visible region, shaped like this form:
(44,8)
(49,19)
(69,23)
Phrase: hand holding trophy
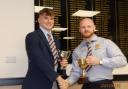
(64,63)
(65,55)
(82,64)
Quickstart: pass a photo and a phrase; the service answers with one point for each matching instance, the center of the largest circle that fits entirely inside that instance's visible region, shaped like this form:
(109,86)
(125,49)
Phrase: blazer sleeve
(38,58)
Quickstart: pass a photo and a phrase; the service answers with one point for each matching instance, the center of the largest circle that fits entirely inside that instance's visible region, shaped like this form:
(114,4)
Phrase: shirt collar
(93,38)
(45,32)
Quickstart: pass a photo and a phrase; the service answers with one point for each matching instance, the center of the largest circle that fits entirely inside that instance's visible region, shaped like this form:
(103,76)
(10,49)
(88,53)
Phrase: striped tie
(89,49)
(89,53)
(53,49)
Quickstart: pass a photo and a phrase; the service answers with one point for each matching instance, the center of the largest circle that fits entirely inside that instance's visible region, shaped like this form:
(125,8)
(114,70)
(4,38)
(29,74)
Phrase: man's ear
(38,20)
(94,28)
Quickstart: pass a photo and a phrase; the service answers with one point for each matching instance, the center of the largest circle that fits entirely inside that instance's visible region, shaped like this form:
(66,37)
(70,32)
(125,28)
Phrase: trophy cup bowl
(65,54)
(82,64)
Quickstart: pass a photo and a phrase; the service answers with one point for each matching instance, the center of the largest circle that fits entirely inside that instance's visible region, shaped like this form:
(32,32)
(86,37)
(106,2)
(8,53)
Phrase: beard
(87,34)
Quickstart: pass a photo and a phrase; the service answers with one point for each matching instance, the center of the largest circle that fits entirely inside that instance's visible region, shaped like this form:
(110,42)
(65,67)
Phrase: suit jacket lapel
(42,36)
(56,42)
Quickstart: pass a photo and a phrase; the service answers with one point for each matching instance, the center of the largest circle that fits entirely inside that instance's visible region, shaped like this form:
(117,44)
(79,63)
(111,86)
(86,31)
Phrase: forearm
(114,62)
(114,56)
(73,78)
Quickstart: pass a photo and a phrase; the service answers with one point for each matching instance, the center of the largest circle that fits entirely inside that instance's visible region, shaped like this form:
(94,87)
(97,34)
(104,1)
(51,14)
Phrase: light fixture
(85,13)
(68,38)
(38,8)
(58,29)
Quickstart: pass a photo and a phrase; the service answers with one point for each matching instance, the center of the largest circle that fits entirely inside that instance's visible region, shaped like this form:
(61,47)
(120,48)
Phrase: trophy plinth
(81,80)
(82,64)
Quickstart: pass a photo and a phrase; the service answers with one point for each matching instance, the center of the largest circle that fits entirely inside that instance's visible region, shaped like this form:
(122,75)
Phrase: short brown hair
(47,11)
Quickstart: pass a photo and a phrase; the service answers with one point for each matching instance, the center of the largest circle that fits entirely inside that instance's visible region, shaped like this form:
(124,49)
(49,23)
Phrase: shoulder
(78,50)
(32,37)
(104,40)
(32,34)
(79,46)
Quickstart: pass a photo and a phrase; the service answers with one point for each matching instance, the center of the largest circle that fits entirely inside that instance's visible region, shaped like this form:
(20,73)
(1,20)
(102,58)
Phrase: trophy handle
(68,54)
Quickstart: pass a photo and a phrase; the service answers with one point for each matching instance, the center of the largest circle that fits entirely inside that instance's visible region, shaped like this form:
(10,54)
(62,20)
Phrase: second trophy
(82,64)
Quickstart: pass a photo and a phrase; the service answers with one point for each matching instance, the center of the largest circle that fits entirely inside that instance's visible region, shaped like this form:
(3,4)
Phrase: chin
(49,28)
(87,36)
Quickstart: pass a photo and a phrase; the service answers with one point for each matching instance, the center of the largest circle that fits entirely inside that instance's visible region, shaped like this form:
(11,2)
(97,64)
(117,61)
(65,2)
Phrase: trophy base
(81,80)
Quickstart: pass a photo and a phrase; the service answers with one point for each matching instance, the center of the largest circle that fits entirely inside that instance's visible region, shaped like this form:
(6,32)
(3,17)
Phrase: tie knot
(88,43)
(49,35)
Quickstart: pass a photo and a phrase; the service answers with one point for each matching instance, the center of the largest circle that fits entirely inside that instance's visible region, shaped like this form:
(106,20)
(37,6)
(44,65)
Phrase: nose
(49,20)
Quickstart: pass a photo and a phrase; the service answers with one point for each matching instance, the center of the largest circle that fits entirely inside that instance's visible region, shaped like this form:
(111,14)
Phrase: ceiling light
(38,8)
(68,38)
(59,29)
(85,13)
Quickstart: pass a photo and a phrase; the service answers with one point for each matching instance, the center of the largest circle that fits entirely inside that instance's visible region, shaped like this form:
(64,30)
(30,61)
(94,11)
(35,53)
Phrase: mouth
(49,25)
(86,32)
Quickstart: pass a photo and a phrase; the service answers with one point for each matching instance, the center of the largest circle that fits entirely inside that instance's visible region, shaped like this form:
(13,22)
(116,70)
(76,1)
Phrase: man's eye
(82,27)
(45,17)
(88,26)
(52,18)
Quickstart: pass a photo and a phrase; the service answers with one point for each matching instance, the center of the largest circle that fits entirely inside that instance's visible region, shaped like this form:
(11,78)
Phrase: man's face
(47,22)
(87,28)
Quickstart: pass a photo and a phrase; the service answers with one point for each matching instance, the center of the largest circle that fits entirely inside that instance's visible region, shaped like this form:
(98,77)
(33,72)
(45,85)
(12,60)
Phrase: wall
(16,20)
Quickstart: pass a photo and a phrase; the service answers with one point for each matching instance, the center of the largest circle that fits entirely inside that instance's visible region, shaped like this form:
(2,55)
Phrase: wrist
(68,82)
(58,77)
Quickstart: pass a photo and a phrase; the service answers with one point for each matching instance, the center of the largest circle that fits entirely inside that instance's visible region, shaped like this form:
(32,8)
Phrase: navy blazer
(41,74)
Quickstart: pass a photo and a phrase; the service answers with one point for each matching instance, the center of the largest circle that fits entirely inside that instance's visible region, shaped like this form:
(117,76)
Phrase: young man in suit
(42,50)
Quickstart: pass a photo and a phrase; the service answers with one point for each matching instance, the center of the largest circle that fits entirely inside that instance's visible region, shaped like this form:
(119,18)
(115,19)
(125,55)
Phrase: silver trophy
(65,54)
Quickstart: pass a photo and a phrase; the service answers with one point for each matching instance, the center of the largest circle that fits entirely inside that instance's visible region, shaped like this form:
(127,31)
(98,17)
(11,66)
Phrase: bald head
(87,20)
(87,27)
